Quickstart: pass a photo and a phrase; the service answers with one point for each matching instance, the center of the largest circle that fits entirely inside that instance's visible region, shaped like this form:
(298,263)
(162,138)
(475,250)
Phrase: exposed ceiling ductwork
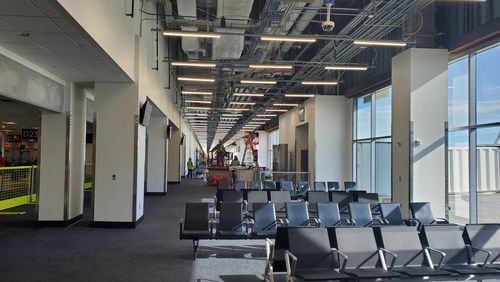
(191,46)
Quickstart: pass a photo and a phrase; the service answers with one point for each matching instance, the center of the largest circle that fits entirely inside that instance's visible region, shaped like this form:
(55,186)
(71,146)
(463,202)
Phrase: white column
(52,194)
(116,192)
(419,110)
(156,170)
(174,156)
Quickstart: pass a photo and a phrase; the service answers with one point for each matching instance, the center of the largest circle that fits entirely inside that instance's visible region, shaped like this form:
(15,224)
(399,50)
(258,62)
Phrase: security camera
(328,24)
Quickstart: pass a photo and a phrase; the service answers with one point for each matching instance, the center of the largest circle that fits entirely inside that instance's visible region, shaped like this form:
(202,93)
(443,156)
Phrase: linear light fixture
(257,122)
(267,119)
(197,108)
(285,104)
(319,83)
(288,38)
(242,103)
(236,109)
(267,115)
(231,115)
(196,114)
(194,64)
(249,94)
(300,95)
(271,66)
(353,68)
(198,34)
(196,93)
(272,82)
(380,43)
(276,110)
(196,79)
(9,122)
(198,101)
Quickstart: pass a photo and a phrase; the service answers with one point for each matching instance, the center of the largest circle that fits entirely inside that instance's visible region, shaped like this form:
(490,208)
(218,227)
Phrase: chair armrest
(315,221)
(441,219)
(353,222)
(377,220)
(290,267)
(340,254)
(443,256)
(269,248)
(488,254)
(346,220)
(393,261)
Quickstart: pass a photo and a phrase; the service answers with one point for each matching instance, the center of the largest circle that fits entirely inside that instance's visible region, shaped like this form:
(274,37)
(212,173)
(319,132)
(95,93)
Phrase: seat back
(256,185)
(279,196)
(342,198)
(328,214)
(240,185)
(302,187)
(231,217)
(311,246)
(392,213)
(268,185)
(333,186)
(320,186)
(404,241)
(484,236)
(257,197)
(297,214)
(232,196)
(358,244)
(264,217)
(223,184)
(350,185)
(196,217)
(286,185)
(317,197)
(421,211)
(368,198)
(360,214)
(446,238)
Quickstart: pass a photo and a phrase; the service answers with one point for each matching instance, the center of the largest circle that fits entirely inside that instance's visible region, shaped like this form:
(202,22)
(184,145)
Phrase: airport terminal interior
(249,140)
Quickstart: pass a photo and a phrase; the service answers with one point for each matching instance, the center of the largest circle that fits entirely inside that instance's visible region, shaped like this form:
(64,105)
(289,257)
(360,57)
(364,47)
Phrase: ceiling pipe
(305,20)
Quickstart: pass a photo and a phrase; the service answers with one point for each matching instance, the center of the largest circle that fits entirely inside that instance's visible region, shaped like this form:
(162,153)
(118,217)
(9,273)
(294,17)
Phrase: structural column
(419,111)
(119,155)
(157,151)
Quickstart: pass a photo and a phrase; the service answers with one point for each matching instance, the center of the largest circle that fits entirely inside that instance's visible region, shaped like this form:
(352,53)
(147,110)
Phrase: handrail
(17,167)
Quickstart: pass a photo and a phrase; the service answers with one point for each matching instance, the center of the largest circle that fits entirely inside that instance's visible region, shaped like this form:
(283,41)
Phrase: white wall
(140,171)
(333,138)
(156,170)
(263,148)
(106,22)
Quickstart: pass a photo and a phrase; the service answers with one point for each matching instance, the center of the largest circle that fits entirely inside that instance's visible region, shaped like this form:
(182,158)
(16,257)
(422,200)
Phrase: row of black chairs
(299,187)
(385,252)
(280,197)
(234,223)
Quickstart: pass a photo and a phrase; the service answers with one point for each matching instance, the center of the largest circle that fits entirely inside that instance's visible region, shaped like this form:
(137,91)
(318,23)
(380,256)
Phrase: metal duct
(305,20)
(191,46)
(231,46)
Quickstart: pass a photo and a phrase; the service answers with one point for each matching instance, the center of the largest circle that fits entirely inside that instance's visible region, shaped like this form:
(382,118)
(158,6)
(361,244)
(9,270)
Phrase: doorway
(302,148)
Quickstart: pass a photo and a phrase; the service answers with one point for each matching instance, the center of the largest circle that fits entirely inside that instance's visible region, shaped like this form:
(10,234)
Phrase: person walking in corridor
(190,166)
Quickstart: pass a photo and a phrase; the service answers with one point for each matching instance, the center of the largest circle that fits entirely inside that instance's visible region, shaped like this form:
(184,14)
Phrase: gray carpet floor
(151,252)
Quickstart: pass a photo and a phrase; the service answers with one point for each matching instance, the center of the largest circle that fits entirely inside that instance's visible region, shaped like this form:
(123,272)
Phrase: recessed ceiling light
(380,43)
(194,64)
(319,83)
(196,79)
(199,34)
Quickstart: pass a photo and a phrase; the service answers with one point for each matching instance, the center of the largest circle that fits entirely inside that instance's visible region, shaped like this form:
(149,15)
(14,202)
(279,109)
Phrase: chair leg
(268,274)
(195,248)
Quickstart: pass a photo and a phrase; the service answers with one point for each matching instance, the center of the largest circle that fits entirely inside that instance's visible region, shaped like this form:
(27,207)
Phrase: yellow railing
(17,186)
